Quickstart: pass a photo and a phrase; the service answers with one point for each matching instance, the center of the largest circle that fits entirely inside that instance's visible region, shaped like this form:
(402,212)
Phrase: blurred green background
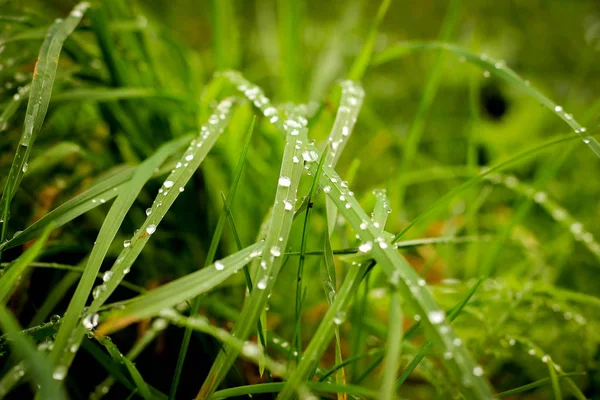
(298,51)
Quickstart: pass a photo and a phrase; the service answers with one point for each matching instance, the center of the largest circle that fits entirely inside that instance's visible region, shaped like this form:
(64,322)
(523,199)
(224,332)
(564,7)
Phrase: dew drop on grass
(189,157)
(558,109)
(25,167)
(168,184)
(436,317)
(288,205)
(107,275)
(262,284)
(275,251)
(477,370)
(90,321)
(327,189)
(383,244)
(576,228)
(284,181)
(55,319)
(365,247)
(151,229)
(148,211)
(60,372)
(126,243)
(339,317)
(363,225)
(181,189)
(219,266)
(540,197)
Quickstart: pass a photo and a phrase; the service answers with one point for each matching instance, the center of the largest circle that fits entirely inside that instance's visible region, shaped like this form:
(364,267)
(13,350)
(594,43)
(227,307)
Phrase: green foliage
(473,277)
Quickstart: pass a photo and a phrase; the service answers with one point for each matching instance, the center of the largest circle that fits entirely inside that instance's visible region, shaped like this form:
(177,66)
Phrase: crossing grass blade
(39,98)
(410,286)
(106,235)
(317,387)
(497,68)
(38,368)
(179,290)
(212,250)
(172,187)
(274,245)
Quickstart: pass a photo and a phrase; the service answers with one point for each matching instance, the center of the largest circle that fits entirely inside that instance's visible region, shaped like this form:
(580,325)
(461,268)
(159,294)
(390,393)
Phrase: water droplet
(284,181)
(181,189)
(558,109)
(126,243)
(339,317)
(151,229)
(262,284)
(25,167)
(540,197)
(327,189)
(275,251)
(436,317)
(55,319)
(576,228)
(60,372)
(288,205)
(421,282)
(168,184)
(189,157)
(545,358)
(107,275)
(90,321)
(383,244)
(486,74)
(148,211)
(365,247)
(477,370)
(219,266)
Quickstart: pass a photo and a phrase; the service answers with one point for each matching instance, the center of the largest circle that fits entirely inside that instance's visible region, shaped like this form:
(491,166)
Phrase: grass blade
(39,98)
(275,243)
(497,68)
(179,290)
(178,178)
(210,256)
(394,346)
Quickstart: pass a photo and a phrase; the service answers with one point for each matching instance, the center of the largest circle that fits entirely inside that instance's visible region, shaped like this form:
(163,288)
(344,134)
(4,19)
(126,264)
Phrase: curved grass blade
(497,68)
(12,273)
(39,98)
(412,288)
(276,240)
(43,378)
(171,189)
(179,290)
(210,256)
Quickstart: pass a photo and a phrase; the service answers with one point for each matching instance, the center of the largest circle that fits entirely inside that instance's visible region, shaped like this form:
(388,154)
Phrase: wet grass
(257,269)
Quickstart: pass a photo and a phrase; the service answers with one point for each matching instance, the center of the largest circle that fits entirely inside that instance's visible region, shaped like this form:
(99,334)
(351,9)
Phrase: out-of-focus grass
(492,201)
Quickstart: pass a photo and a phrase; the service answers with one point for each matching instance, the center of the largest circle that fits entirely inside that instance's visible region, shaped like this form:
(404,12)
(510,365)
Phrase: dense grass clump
(287,199)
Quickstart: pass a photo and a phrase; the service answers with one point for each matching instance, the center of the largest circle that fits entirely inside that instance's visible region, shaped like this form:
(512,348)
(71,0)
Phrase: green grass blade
(158,325)
(172,187)
(413,290)
(533,385)
(274,245)
(13,105)
(116,355)
(225,34)
(361,63)
(497,68)
(210,256)
(394,346)
(44,379)
(431,88)
(301,259)
(39,98)
(12,273)
(290,47)
(179,290)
